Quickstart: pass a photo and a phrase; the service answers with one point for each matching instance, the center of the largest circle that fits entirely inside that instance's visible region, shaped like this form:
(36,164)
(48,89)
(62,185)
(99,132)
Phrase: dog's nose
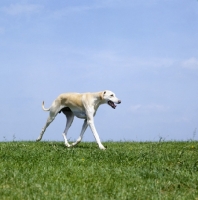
(119,101)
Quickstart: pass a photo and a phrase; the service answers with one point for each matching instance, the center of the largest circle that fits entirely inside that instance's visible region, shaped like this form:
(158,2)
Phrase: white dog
(82,106)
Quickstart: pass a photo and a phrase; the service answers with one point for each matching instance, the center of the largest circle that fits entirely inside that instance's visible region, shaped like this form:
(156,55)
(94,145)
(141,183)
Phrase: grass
(126,170)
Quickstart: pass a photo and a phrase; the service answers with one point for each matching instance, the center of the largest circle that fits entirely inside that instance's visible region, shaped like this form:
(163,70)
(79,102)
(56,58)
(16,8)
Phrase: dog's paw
(68,145)
(38,139)
(102,147)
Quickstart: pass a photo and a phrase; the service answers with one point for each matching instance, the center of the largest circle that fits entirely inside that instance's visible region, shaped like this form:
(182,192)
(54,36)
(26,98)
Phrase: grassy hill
(126,170)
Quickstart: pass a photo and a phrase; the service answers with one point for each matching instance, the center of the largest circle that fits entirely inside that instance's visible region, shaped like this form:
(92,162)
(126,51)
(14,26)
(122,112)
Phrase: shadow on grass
(79,146)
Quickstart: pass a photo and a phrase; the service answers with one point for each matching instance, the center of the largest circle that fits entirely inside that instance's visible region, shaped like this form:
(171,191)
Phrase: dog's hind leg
(53,112)
(84,127)
(70,117)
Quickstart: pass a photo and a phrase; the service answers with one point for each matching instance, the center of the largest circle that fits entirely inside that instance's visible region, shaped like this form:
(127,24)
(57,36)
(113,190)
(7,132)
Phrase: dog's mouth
(112,104)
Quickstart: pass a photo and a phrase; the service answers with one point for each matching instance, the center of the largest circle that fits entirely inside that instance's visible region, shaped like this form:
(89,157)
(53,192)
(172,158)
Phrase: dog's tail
(45,109)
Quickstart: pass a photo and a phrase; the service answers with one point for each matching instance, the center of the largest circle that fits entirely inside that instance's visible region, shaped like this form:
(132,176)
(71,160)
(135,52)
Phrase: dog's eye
(112,95)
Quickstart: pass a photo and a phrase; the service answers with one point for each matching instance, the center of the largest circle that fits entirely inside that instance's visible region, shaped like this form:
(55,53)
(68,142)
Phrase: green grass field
(126,170)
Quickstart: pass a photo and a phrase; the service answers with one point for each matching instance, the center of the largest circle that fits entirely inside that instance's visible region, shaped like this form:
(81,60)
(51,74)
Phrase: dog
(83,106)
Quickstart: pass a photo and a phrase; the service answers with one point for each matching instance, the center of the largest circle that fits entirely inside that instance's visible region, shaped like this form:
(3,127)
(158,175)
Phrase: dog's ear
(102,94)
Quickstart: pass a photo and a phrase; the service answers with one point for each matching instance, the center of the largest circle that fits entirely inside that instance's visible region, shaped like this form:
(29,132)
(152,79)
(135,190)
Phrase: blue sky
(144,51)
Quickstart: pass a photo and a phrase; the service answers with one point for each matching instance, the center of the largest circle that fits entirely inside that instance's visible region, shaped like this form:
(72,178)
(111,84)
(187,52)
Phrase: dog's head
(110,98)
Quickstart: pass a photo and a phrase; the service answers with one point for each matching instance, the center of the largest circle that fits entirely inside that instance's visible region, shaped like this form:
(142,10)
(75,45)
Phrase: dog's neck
(98,99)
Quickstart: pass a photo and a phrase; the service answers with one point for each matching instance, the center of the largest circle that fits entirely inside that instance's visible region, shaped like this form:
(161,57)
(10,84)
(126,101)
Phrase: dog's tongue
(113,105)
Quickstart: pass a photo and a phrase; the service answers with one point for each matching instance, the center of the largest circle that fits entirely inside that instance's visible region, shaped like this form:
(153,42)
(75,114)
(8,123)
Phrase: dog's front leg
(90,122)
